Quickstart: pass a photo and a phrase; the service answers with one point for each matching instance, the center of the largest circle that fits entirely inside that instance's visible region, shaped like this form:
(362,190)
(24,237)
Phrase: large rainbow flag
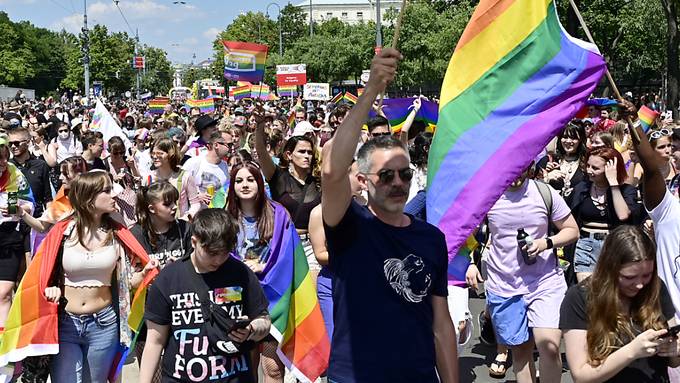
(297,324)
(502,101)
(244,61)
(31,328)
(206,105)
(397,109)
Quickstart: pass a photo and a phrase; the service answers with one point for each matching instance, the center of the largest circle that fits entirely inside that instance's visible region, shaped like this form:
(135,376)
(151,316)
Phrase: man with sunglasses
(390,270)
(209,170)
(378,126)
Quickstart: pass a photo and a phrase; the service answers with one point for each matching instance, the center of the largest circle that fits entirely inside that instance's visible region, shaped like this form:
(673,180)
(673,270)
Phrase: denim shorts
(587,254)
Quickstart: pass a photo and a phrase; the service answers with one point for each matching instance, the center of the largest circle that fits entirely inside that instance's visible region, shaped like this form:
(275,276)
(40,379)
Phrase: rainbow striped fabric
(156,105)
(502,101)
(31,328)
(397,109)
(242,92)
(206,105)
(297,324)
(604,102)
(287,91)
(336,99)
(647,117)
(349,97)
(259,92)
(244,61)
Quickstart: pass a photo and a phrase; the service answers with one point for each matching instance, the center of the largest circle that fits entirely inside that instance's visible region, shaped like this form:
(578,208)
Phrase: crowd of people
(199,196)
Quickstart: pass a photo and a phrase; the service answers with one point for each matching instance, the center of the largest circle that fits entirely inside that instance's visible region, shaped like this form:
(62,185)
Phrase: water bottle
(524,239)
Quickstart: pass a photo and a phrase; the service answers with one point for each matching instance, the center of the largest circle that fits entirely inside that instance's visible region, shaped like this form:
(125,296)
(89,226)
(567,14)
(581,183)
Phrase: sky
(182,30)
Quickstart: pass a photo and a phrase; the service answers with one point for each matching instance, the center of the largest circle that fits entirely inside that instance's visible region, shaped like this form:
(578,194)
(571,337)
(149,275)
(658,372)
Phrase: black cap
(203,122)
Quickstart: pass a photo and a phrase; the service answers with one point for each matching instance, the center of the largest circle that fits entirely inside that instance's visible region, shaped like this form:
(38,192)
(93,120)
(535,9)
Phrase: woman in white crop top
(89,334)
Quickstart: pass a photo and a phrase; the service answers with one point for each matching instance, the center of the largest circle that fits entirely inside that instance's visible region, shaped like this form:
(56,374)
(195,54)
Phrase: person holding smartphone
(614,323)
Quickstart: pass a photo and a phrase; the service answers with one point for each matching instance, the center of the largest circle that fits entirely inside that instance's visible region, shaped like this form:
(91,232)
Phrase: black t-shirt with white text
(171,301)
(171,245)
(384,280)
(574,316)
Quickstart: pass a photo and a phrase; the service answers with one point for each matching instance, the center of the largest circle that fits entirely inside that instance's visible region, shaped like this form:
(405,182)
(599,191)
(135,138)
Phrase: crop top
(84,268)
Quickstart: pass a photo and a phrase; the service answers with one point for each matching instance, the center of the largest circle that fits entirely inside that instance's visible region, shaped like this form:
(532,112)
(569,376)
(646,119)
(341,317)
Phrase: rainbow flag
(287,91)
(397,109)
(259,92)
(243,83)
(602,102)
(206,105)
(336,99)
(156,105)
(242,92)
(244,61)
(647,117)
(459,264)
(297,324)
(31,328)
(502,101)
(360,91)
(349,97)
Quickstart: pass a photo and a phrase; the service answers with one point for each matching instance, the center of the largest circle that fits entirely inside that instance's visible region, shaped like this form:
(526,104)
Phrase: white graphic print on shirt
(408,278)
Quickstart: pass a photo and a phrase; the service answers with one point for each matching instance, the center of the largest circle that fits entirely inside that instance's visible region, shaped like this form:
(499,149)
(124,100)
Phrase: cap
(302,128)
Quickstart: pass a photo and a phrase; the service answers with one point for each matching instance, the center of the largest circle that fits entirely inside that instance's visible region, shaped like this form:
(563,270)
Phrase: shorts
(512,317)
(314,265)
(11,252)
(459,310)
(586,255)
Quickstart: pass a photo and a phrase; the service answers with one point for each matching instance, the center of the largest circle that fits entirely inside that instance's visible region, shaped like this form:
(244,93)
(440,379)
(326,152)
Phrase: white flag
(103,122)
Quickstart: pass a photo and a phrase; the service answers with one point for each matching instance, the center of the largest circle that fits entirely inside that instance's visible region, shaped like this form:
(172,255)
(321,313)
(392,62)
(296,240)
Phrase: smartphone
(673,331)
(240,323)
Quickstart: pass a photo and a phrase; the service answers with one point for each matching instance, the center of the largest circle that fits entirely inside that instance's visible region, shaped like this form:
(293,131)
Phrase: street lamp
(280,26)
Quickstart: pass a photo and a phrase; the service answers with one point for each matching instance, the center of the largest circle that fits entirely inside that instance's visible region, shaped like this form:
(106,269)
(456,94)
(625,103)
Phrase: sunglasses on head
(386,176)
(655,135)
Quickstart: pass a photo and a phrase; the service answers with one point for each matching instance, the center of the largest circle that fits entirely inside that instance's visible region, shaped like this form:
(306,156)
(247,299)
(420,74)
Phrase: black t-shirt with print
(171,301)
(173,244)
(574,316)
(384,280)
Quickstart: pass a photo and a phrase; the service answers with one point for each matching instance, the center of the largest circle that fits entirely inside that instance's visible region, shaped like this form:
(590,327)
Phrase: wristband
(549,243)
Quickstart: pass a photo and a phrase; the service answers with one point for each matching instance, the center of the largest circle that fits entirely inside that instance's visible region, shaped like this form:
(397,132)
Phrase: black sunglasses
(386,176)
(16,143)
(381,134)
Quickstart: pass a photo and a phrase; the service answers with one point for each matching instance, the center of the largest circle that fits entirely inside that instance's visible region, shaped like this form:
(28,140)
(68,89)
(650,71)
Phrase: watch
(549,242)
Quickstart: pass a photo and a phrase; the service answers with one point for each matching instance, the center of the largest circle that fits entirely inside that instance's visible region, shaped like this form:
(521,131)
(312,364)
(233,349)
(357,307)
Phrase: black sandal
(499,373)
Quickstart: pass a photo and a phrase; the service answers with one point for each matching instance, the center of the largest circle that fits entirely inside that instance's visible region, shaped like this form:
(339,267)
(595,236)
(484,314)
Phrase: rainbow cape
(502,101)
(31,328)
(244,61)
(156,105)
(647,117)
(241,92)
(287,91)
(206,105)
(397,109)
(297,324)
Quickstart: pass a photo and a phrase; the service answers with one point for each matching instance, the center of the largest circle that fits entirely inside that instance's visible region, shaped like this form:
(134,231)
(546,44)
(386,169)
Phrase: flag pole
(610,79)
(395,41)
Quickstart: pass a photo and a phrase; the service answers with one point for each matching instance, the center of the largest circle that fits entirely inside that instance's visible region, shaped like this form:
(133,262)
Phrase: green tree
(157,77)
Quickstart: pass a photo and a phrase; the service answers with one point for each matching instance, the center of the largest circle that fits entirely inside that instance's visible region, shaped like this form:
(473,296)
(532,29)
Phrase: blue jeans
(87,347)
(324,291)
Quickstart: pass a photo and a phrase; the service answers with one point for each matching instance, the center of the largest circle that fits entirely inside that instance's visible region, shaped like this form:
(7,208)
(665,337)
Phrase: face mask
(63,135)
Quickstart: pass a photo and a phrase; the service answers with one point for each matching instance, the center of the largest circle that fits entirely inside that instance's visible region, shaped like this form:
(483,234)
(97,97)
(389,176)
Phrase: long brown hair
(84,190)
(159,191)
(263,206)
(608,329)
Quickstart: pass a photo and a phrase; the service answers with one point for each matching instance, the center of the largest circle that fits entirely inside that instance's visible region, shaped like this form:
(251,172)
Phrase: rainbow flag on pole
(259,92)
(502,101)
(242,92)
(156,105)
(336,99)
(287,91)
(244,61)
(647,117)
(349,97)
(206,105)
(297,324)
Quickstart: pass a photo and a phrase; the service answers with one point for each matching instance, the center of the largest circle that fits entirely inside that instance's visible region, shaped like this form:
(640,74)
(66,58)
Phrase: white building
(349,11)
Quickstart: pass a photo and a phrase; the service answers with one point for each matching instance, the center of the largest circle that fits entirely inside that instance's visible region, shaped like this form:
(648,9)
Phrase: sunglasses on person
(63,130)
(381,134)
(386,176)
(655,135)
(16,143)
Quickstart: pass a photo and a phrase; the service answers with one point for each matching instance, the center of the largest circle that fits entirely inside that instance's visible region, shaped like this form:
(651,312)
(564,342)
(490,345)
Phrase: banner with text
(316,91)
(295,74)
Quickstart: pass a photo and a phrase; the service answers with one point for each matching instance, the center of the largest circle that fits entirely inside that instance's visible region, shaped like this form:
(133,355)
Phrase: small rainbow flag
(360,91)
(241,92)
(337,98)
(647,117)
(157,104)
(287,91)
(244,61)
(349,97)
(259,92)
(243,83)
(502,101)
(206,105)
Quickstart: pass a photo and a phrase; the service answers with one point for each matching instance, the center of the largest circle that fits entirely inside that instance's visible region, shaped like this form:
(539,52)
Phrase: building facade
(348,11)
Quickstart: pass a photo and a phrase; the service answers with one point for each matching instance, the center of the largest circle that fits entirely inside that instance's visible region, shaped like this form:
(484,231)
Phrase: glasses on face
(655,135)
(386,176)
(381,134)
(63,130)
(17,143)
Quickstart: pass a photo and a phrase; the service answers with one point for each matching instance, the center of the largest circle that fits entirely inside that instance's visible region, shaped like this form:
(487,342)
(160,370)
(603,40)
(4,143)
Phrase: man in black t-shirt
(391,317)
(174,313)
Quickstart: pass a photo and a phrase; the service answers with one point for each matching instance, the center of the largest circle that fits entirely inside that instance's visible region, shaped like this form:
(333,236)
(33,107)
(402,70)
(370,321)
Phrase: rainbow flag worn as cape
(502,101)
(31,328)
(397,109)
(297,324)
(244,61)
(206,105)
(647,117)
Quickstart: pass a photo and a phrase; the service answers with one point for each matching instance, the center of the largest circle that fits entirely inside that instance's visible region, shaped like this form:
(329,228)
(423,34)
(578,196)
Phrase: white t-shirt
(143,161)
(666,217)
(205,173)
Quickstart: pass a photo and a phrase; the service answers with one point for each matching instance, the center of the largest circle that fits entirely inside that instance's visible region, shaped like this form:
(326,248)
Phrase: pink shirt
(508,275)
